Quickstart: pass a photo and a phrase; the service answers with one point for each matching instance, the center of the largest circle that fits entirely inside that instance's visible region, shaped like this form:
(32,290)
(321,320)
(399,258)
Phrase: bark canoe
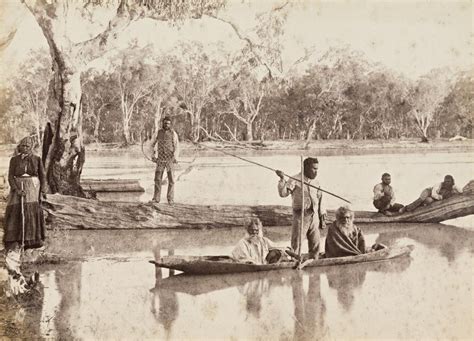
(67,212)
(111,185)
(207,265)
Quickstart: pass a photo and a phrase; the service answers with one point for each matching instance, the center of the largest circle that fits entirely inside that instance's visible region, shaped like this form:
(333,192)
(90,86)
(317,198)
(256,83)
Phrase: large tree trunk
(65,149)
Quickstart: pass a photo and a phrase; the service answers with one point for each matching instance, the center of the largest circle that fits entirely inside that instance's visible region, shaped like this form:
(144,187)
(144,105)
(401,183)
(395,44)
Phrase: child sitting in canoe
(344,238)
(254,248)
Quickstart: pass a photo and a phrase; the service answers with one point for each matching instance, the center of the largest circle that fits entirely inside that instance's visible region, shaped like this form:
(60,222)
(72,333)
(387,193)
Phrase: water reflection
(450,241)
(309,308)
(347,279)
(68,283)
(165,305)
(309,304)
(109,298)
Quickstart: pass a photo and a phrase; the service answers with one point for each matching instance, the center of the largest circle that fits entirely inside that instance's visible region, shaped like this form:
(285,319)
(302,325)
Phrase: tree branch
(252,46)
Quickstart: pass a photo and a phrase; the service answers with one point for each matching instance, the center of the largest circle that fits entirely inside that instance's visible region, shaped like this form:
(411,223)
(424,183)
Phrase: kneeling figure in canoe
(344,238)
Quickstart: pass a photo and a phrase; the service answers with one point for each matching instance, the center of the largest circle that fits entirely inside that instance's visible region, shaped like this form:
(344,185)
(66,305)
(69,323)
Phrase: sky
(411,37)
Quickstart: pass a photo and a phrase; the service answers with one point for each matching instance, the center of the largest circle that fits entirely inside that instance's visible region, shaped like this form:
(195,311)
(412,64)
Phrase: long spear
(269,168)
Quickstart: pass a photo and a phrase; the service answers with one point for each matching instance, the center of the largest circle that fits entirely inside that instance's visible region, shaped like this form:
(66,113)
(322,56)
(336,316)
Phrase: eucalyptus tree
(102,23)
(30,92)
(426,95)
(196,75)
(455,115)
(99,98)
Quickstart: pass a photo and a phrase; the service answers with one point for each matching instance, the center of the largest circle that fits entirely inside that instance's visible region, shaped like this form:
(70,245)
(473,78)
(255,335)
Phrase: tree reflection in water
(346,279)
(450,241)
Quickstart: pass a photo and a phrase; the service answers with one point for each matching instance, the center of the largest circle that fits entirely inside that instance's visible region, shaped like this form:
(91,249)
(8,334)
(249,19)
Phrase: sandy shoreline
(293,147)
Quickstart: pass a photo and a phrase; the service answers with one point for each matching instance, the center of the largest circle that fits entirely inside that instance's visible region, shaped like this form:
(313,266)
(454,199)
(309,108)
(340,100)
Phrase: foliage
(24,105)
(455,114)
(221,96)
(425,97)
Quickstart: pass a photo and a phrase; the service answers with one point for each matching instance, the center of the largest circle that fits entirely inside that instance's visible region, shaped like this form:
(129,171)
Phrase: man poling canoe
(272,169)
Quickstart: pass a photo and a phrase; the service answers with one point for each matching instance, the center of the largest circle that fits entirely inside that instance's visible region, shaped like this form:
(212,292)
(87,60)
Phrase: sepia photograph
(236,170)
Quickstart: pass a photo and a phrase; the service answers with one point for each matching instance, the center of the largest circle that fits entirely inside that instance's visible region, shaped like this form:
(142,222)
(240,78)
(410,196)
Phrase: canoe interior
(204,265)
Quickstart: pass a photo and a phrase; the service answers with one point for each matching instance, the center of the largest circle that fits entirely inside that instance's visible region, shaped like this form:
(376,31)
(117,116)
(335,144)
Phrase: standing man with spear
(309,214)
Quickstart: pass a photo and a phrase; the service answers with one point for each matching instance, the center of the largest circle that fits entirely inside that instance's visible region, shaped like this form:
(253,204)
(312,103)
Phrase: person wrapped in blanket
(346,239)
(24,226)
(254,248)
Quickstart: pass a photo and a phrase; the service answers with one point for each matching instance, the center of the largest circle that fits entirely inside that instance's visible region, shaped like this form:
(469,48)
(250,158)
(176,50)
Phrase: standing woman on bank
(24,222)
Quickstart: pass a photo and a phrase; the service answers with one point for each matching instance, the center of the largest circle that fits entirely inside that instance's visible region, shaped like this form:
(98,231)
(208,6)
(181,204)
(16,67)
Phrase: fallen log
(66,212)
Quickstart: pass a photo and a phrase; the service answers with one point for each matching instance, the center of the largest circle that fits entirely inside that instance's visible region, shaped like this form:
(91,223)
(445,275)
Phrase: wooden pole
(302,209)
(22,204)
(269,168)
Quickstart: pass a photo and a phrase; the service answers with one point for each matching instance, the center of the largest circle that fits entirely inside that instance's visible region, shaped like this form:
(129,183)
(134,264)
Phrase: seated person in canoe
(344,238)
(439,191)
(254,248)
(384,196)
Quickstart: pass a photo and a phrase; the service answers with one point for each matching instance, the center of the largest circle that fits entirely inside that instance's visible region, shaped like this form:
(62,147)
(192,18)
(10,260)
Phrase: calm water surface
(114,293)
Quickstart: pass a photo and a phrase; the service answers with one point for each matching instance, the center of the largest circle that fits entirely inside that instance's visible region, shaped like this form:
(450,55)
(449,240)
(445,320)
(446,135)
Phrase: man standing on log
(384,196)
(165,155)
(314,212)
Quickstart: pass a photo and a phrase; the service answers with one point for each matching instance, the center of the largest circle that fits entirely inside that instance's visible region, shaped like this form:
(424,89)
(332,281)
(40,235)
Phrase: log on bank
(66,212)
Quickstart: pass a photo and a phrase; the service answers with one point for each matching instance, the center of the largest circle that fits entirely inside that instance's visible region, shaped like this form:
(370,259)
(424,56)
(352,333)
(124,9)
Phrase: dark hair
(167,119)
(384,175)
(309,161)
(449,177)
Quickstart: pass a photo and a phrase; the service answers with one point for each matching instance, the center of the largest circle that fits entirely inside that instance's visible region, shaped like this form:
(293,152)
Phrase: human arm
(321,211)
(154,140)
(392,195)
(269,243)
(42,177)
(457,190)
(435,192)
(360,240)
(241,253)
(176,146)
(11,177)
(378,191)
(285,188)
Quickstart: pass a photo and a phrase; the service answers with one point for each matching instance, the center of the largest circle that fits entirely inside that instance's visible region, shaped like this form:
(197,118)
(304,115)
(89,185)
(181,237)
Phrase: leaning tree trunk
(65,152)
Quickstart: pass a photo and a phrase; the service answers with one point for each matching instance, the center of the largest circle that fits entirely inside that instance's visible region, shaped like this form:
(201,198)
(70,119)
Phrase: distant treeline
(228,97)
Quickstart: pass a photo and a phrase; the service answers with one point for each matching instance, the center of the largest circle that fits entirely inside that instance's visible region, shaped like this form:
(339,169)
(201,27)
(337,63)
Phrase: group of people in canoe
(343,238)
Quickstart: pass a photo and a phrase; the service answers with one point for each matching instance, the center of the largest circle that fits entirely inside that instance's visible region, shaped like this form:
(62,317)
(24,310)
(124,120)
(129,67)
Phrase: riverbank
(315,145)
(320,147)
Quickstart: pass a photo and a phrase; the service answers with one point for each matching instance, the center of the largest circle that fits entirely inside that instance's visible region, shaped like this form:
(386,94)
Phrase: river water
(114,293)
